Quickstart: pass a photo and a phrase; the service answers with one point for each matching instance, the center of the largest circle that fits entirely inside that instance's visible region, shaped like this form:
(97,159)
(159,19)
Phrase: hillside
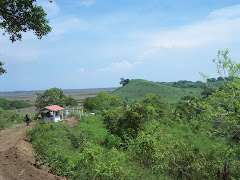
(137,88)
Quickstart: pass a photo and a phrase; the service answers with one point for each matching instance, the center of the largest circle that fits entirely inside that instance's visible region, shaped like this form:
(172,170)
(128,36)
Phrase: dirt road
(17,157)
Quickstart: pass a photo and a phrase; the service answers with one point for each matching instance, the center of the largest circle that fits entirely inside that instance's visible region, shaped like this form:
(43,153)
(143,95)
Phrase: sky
(94,43)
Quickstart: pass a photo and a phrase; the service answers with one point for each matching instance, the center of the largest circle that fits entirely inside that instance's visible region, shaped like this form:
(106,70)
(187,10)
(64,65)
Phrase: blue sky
(96,42)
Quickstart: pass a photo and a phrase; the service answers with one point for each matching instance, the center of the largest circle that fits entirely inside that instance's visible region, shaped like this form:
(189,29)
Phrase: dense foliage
(16,104)
(17,16)
(148,139)
(101,101)
(54,96)
(136,141)
(126,121)
(79,152)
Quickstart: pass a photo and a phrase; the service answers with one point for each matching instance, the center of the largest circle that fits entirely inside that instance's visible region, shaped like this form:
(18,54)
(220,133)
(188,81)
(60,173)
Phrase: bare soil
(17,156)
(71,121)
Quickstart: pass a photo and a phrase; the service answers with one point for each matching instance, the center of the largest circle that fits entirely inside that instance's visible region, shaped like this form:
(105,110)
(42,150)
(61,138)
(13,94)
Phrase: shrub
(9,117)
(102,101)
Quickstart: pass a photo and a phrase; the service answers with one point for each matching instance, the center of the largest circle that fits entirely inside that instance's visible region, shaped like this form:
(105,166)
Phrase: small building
(52,113)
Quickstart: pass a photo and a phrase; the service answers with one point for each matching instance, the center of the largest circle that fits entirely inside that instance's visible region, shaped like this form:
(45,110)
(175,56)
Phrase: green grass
(138,88)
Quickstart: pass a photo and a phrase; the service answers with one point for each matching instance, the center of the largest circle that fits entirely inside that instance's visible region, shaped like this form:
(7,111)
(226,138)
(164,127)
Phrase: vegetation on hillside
(136,89)
(101,101)
(148,139)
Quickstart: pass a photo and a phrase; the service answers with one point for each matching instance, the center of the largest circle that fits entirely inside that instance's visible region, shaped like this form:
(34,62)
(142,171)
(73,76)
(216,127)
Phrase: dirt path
(17,156)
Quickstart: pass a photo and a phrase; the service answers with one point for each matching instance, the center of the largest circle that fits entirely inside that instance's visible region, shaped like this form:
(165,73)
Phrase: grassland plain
(138,88)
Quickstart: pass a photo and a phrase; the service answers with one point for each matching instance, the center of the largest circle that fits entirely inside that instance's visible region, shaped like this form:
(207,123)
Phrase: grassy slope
(137,88)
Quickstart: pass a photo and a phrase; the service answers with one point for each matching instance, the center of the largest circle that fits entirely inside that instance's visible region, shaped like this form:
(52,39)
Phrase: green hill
(137,88)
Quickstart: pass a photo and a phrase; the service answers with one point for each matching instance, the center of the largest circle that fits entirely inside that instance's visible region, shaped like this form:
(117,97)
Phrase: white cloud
(213,31)
(118,66)
(228,12)
(67,25)
(87,3)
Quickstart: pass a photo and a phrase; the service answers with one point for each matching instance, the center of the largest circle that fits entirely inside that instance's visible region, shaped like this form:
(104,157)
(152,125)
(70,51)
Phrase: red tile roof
(54,108)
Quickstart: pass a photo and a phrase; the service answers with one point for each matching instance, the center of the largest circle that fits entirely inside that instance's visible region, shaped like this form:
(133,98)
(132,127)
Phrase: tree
(222,108)
(89,103)
(70,101)
(2,71)
(123,81)
(53,96)
(127,121)
(17,16)
(158,102)
(226,68)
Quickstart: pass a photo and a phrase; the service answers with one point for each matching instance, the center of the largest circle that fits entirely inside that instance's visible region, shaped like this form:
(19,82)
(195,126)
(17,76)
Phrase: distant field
(81,94)
(30,96)
(29,110)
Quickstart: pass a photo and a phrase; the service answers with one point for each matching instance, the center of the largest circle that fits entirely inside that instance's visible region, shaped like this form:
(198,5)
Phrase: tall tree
(123,81)
(221,107)
(53,96)
(17,16)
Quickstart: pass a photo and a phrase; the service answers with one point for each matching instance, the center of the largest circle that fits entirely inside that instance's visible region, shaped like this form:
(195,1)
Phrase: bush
(9,105)
(9,117)
(102,101)
(126,121)
(68,154)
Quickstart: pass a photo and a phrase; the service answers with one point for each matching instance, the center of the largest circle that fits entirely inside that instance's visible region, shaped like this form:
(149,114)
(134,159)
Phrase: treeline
(216,82)
(16,104)
(185,84)
(198,84)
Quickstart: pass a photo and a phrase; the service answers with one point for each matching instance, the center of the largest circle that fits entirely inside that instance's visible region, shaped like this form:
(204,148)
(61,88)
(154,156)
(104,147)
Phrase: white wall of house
(55,118)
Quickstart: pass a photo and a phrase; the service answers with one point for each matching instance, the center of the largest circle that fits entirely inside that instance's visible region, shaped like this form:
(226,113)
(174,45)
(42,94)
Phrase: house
(52,113)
